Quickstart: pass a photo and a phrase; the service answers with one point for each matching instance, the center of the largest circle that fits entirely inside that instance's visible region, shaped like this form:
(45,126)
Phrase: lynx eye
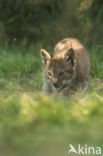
(50,73)
(61,73)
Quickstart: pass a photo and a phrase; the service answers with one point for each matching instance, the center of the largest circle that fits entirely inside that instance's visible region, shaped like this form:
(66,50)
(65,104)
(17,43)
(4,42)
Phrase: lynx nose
(55,85)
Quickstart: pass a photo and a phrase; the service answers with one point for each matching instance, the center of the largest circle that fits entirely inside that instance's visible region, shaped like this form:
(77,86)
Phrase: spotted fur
(67,69)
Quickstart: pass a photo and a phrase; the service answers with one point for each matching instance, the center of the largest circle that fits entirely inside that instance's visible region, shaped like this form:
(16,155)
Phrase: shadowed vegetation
(32,123)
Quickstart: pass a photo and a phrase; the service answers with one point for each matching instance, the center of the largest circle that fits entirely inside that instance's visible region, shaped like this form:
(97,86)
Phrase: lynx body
(67,69)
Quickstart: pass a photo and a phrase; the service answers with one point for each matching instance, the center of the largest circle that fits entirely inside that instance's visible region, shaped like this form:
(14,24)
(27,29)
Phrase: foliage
(43,19)
(29,118)
(31,122)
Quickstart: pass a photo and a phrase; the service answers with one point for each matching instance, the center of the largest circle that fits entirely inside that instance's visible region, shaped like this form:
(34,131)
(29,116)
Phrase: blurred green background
(32,123)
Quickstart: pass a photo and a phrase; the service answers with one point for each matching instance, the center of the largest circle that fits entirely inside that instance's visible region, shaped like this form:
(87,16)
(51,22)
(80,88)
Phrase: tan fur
(68,68)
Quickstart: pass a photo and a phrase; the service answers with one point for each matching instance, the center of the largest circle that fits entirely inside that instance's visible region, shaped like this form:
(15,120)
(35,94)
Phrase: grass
(32,123)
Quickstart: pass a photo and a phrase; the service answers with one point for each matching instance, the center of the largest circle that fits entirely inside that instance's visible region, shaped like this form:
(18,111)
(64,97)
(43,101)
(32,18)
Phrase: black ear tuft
(51,55)
(69,56)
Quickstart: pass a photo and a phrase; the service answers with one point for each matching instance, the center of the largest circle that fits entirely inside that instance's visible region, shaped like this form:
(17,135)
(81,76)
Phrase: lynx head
(60,69)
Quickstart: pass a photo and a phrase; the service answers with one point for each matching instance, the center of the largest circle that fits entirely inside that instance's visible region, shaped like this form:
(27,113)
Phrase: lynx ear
(45,56)
(69,56)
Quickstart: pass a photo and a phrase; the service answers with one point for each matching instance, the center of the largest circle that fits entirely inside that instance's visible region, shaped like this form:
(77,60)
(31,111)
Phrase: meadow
(33,123)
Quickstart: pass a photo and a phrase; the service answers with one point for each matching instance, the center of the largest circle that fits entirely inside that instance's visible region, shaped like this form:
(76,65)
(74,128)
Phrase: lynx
(67,69)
